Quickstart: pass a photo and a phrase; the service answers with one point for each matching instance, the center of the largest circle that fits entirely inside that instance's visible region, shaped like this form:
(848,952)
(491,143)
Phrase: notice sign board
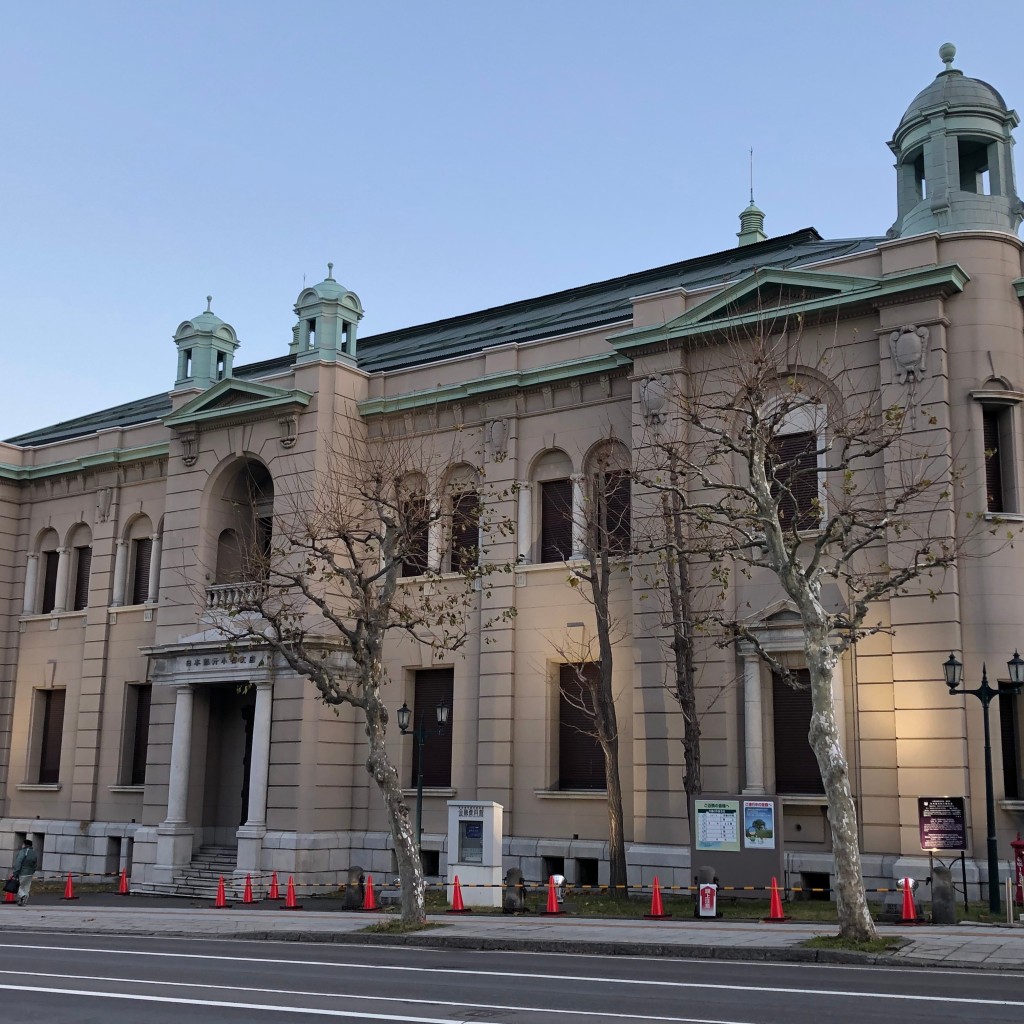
(718,824)
(943,822)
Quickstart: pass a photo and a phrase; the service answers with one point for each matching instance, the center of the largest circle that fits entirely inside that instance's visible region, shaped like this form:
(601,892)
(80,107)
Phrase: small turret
(206,348)
(328,317)
(751,225)
(954,158)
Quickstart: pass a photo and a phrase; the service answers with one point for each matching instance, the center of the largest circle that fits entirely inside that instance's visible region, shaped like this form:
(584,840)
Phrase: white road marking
(522,975)
(346,995)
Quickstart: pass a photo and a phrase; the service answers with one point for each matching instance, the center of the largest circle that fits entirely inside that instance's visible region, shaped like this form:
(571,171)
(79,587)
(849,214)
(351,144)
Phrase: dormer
(206,348)
(328,317)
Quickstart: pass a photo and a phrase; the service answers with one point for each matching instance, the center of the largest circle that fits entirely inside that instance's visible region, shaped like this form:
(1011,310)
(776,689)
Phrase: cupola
(206,347)
(954,158)
(328,316)
(751,225)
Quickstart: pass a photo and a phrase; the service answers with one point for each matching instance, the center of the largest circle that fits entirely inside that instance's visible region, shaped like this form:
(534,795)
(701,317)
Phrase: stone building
(130,735)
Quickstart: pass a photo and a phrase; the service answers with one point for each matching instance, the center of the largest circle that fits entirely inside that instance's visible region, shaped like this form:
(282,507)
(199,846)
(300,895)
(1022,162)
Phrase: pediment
(232,399)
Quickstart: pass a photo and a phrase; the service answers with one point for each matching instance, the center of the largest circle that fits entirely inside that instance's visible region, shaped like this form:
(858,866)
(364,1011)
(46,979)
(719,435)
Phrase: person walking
(25,864)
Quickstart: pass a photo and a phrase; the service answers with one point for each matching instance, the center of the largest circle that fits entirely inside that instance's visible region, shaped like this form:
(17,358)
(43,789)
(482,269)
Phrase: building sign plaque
(943,822)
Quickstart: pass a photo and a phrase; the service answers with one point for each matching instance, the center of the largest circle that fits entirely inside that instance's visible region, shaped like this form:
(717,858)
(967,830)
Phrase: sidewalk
(964,946)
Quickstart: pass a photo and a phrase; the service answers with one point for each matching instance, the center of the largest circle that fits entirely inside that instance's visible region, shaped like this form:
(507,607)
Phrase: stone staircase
(200,878)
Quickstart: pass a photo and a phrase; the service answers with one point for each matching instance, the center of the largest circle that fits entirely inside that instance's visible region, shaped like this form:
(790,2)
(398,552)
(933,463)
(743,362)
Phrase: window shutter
(580,758)
(555,520)
(793,467)
(140,743)
(50,582)
(415,513)
(796,768)
(430,688)
(140,571)
(993,459)
(465,532)
(1010,735)
(52,734)
(83,565)
(616,498)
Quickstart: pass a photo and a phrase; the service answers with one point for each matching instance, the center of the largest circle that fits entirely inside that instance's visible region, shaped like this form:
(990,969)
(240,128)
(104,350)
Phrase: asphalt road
(75,979)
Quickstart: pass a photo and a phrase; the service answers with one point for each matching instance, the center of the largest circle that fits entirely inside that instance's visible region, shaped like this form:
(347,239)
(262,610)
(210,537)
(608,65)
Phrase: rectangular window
(580,758)
(142,553)
(796,767)
(51,559)
(974,176)
(465,552)
(83,565)
(997,431)
(555,520)
(51,732)
(793,469)
(1010,734)
(430,688)
(416,519)
(137,700)
(613,512)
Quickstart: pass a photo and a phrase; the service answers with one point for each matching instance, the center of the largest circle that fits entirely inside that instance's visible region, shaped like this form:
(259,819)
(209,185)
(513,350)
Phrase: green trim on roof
(948,278)
(588,366)
(208,407)
(98,460)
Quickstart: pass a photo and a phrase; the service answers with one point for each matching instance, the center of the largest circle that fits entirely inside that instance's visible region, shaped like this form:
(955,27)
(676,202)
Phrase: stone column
(524,527)
(250,835)
(753,724)
(31,582)
(120,573)
(181,755)
(154,570)
(579,517)
(60,598)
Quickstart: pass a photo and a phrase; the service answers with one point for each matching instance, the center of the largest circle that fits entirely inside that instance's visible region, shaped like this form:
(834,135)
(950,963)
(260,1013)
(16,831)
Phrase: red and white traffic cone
(657,910)
(221,902)
(69,889)
(9,897)
(289,900)
(275,892)
(909,910)
(369,900)
(247,892)
(775,910)
(553,907)
(122,889)
(458,907)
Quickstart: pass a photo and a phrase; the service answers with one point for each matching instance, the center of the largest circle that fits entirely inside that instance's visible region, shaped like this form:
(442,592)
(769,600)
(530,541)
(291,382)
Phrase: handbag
(12,884)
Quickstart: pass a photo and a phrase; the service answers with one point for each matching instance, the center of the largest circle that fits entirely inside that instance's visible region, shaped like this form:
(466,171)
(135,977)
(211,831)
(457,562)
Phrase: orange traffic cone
(122,889)
(221,902)
(909,910)
(247,893)
(289,900)
(458,907)
(369,900)
(657,910)
(553,907)
(69,889)
(274,893)
(775,911)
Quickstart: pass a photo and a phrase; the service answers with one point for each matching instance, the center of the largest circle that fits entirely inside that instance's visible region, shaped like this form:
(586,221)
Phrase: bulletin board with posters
(740,837)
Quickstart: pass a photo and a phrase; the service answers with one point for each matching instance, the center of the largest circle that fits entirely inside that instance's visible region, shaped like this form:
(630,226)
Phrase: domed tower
(206,347)
(954,158)
(328,316)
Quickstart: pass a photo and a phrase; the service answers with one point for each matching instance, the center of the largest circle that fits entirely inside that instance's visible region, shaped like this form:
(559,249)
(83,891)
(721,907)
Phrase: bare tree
(606,514)
(331,591)
(852,503)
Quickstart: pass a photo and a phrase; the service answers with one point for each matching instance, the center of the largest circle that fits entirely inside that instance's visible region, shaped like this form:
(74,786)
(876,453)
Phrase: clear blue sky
(446,156)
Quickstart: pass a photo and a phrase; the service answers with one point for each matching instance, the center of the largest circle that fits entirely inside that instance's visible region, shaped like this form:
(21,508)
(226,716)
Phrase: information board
(943,822)
(758,825)
(718,824)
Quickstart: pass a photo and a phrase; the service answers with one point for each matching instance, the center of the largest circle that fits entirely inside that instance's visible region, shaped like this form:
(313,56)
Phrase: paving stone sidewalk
(964,946)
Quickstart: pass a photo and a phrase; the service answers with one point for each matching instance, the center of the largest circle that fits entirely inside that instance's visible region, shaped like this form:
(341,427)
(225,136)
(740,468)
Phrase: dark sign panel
(943,822)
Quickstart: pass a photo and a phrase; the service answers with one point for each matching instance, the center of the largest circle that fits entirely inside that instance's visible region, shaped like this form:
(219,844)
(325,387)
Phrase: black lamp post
(420,733)
(953,671)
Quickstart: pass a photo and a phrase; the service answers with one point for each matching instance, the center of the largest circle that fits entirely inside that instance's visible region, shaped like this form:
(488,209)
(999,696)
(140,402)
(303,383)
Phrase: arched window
(795,463)
(139,537)
(80,549)
(609,499)
(244,524)
(49,559)
(552,474)
(414,521)
(463,499)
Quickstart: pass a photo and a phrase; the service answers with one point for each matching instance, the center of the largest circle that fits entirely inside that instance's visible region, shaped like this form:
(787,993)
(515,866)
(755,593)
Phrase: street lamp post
(419,733)
(953,671)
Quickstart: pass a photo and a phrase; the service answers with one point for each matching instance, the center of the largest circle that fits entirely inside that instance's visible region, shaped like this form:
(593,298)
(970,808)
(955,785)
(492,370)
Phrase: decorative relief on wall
(909,348)
(104,500)
(190,448)
(289,431)
(654,395)
(497,439)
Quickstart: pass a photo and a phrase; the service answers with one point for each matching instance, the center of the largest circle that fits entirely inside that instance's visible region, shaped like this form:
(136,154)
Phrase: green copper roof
(586,307)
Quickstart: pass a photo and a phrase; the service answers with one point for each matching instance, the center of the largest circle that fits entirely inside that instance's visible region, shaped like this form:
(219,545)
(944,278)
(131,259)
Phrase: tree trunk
(410,868)
(617,877)
(855,920)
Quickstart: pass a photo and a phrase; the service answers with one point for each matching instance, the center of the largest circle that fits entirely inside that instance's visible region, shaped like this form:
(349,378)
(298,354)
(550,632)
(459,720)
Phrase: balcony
(235,597)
